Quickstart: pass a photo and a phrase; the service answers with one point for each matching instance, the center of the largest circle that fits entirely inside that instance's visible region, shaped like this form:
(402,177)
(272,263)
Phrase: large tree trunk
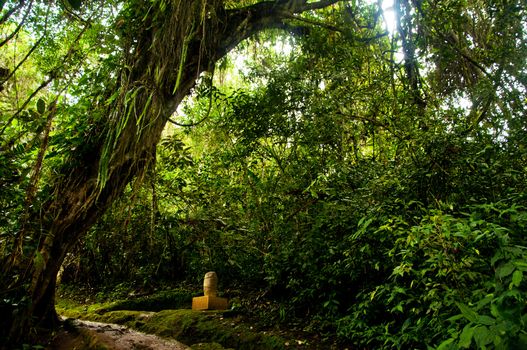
(168,51)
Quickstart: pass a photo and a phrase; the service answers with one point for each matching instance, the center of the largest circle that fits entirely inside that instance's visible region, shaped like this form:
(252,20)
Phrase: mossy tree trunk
(168,50)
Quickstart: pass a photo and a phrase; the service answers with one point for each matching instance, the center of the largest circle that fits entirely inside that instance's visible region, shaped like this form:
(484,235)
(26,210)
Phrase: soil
(87,334)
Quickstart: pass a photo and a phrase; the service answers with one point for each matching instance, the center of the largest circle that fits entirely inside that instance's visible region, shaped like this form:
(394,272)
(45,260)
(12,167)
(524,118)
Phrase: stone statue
(210,284)
(210,300)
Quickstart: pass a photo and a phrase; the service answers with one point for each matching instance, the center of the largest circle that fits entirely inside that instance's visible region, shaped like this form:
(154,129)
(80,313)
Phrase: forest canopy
(363,164)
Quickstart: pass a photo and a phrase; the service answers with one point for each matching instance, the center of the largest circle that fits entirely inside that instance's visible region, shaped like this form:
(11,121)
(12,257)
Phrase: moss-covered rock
(192,327)
(188,326)
(199,329)
(70,309)
(169,299)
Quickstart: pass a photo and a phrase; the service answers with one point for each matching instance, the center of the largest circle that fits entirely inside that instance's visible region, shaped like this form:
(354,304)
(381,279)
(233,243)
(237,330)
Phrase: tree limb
(244,22)
(316,5)
(17,29)
(9,12)
(33,48)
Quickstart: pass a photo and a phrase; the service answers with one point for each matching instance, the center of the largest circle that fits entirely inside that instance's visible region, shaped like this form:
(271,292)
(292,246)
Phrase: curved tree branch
(242,23)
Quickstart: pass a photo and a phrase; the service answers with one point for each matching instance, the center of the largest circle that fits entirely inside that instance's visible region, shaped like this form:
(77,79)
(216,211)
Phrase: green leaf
(466,336)
(467,312)
(399,308)
(455,318)
(517,278)
(447,344)
(485,301)
(486,320)
(406,323)
(505,270)
(112,98)
(494,311)
(520,263)
(482,336)
(41,106)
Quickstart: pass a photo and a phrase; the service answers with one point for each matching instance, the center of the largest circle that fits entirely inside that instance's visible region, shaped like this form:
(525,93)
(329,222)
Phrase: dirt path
(113,337)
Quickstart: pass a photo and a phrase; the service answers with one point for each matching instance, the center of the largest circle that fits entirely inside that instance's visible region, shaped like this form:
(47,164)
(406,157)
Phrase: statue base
(209,303)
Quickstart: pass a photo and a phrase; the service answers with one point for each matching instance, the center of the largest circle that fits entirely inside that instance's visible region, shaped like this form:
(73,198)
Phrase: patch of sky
(389,15)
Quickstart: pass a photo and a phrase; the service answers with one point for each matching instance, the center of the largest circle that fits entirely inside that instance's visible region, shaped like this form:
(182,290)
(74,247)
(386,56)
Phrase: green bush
(440,265)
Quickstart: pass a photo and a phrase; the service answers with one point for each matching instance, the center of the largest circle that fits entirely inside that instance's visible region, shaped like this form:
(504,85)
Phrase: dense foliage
(370,179)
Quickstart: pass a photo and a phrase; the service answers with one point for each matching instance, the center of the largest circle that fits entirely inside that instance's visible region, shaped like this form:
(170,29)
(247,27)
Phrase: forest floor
(154,321)
(88,334)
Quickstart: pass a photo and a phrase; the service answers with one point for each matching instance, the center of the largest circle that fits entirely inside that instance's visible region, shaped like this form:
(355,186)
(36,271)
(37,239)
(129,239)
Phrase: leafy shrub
(440,265)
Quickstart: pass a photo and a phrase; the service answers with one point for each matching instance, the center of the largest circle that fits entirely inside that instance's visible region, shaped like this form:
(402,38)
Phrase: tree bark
(170,49)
